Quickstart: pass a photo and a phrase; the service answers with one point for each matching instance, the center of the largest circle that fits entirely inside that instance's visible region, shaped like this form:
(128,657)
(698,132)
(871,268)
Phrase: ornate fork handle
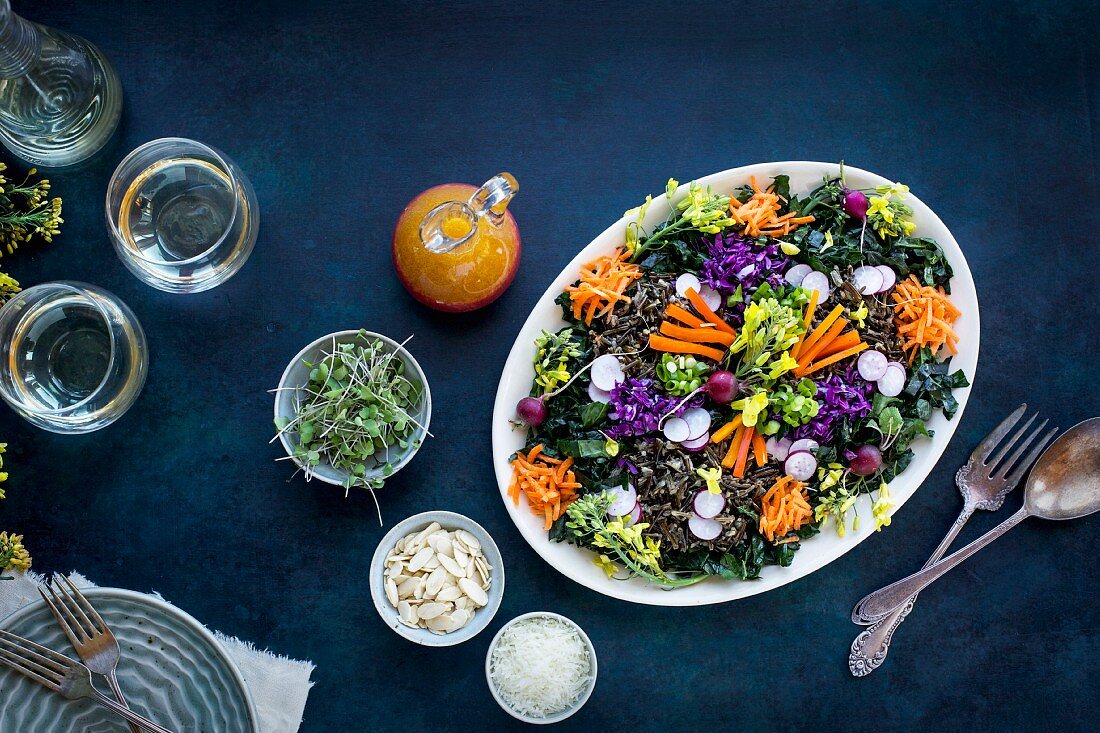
(870,647)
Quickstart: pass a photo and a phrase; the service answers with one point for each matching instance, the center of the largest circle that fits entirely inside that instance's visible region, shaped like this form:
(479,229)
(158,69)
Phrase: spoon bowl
(1065,483)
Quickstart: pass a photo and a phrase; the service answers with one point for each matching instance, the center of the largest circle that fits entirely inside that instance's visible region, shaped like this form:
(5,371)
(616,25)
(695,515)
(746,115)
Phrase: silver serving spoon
(1065,484)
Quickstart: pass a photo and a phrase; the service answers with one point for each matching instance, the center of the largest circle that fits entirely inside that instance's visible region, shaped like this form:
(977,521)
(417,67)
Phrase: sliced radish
(696,444)
(708,505)
(867,279)
(803,444)
(676,429)
(872,365)
(704,529)
(818,281)
(797,274)
(598,395)
(800,465)
(892,381)
(698,421)
(635,515)
(778,449)
(889,277)
(711,297)
(607,371)
(686,282)
(623,501)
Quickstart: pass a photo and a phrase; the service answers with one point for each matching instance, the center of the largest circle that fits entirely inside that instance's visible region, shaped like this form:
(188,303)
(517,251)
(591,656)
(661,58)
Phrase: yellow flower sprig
(26,212)
(13,556)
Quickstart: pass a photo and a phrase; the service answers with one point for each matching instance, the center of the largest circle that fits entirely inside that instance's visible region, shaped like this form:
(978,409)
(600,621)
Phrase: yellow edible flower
(712,476)
(605,563)
(882,507)
(789,249)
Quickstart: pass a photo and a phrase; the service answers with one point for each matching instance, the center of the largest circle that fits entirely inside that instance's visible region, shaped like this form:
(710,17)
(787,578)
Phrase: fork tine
(32,660)
(62,621)
(1006,466)
(1009,444)
(985,448)
(1031,457)
(56,658)
(23,667)
(69,605)
(93,614)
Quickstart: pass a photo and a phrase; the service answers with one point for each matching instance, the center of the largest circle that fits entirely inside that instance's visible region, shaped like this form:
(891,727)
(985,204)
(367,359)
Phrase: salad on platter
(733,379)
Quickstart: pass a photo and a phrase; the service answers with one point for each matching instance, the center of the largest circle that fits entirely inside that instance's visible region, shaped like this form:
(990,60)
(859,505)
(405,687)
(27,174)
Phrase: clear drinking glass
(182,216)
(74,356)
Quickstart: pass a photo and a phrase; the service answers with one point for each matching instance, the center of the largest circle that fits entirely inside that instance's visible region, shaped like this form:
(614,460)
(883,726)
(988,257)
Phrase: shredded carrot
(759,449)
(785,508)
(602,285)
(743,452)
(663,343)
(708,315)
(760,214)
(723,432)
(735,445)
(701,335)
(923,315)
(839,356)
(548,483)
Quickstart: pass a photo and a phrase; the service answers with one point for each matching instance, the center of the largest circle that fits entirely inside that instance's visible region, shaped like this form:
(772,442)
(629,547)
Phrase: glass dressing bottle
(60,99)
(456,247)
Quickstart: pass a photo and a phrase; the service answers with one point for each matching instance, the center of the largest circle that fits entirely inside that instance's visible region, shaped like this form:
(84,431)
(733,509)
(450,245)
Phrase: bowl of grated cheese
(541,667)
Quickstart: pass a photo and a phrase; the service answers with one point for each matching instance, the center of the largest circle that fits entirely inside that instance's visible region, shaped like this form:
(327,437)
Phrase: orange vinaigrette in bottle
(456,247)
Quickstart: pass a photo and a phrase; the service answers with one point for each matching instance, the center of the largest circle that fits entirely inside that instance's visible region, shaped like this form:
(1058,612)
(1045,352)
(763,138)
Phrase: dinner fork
(58,673)
(984,482)
(93,642)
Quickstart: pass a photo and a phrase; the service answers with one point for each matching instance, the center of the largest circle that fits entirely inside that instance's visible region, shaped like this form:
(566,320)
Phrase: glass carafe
(456,247)
(60,99)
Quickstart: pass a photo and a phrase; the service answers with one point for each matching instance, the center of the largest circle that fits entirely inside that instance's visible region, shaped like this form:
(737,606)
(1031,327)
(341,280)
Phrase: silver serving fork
(90,637)
(984,482)
(57,673)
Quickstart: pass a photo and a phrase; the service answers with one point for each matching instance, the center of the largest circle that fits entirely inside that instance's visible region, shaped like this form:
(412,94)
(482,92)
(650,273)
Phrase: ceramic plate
(172,671)
(816,552)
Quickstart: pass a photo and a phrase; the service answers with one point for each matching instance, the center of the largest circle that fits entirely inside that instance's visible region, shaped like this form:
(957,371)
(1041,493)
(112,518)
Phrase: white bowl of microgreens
(352,409)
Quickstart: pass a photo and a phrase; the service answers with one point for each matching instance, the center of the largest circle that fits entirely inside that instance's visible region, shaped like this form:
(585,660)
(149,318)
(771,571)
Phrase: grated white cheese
(540,666)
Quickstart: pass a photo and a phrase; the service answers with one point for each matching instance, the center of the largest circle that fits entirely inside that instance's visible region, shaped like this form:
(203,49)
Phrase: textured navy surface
(341,112)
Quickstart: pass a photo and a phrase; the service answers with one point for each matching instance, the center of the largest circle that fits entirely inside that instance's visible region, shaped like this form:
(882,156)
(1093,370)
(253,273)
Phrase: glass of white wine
(182,216)
(74,357)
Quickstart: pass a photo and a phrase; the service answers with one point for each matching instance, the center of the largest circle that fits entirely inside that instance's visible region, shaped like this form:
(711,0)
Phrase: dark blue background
(341,112)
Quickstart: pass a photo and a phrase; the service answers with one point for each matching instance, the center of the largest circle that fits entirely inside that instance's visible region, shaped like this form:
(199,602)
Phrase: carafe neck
(19,43)
(454,223)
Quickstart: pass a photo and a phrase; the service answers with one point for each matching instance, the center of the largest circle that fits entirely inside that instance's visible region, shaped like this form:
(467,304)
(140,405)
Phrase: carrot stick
(684,316)
(840,343)
(731,455)
(697,302)
(840,355)
(822,327)
(760,451)
(806,321)
(811,353)
(663,343)
(743,452)
(723,432)
(696,335)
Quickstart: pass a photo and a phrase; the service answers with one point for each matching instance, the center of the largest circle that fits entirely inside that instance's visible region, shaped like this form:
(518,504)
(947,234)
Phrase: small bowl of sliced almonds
(437,578)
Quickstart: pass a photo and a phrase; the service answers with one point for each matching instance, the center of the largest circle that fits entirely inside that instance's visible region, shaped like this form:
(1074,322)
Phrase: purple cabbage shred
(734,260)
(839,396)
(637,407)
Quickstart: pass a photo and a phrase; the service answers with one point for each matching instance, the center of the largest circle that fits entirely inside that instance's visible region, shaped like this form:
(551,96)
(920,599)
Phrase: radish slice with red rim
(710,296)
(803,444)
(698,421)
(889,277)
(676,429)
(818,281)
(607,371)
(867,279)
(623,501)
(800,465)
(892,381)
(872,365)
(797,274)
(696,444)
(598,395)
(703,528)
(778,449)
(708,505)
(635,515)
(687,282)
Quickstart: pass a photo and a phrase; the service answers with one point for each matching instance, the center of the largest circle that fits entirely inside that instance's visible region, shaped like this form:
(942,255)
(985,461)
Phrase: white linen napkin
(279,686)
